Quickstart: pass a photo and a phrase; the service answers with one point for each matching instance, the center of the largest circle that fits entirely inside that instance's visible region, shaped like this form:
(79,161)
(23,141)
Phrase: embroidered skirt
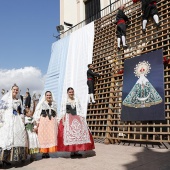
(14,154)
(74,134)
(47,134)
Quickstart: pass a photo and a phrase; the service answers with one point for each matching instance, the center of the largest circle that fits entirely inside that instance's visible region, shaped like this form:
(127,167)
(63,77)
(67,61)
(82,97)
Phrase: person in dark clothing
(149,8)
(21,97)
(90,82)
(121,22)
(27,100)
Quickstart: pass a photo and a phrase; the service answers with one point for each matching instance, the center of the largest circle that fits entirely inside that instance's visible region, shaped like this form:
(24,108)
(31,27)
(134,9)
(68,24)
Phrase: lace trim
(75,130)
(72,103)
(45,106)
(79,109)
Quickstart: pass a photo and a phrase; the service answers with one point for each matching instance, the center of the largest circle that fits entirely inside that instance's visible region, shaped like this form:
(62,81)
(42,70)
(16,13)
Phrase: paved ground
(104,157)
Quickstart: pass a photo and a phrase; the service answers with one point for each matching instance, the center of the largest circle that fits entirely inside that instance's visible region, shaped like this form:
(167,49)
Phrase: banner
(143,88)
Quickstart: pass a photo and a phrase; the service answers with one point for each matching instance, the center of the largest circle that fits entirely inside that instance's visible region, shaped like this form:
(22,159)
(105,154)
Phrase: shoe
(74,154)
(47,155)
(118,48)
(144,31)
(125,47)
(78,155)
(93,102)
(43,155)
(6,163)
(32,158)
(23,161)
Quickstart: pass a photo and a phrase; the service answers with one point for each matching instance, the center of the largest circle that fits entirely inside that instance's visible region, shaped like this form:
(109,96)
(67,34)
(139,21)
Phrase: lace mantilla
(76,104)
(44,106)
(72,103)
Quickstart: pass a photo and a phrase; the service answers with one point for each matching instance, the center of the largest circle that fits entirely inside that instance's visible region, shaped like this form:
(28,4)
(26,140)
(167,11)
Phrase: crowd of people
(33,130)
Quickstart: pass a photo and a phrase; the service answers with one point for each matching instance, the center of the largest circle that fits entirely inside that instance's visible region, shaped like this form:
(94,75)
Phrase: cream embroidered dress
(13,137)
(46,116)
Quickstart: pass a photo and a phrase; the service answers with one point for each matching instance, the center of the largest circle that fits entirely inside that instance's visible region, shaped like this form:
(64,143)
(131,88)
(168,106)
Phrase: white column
(62,12)
(78,11)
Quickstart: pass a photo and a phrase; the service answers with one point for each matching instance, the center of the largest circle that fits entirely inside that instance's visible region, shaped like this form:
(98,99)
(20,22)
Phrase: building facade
(75,11)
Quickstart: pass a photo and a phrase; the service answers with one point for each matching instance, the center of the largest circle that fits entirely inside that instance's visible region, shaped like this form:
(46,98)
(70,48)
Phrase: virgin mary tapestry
(143,88)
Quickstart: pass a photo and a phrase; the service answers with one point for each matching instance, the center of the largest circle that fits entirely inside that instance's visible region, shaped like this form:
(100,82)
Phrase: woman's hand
(35,129)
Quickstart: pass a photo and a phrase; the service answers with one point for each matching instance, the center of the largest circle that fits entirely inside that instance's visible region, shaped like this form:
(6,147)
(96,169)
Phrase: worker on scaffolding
(149,8)
(122,22)
(90,82)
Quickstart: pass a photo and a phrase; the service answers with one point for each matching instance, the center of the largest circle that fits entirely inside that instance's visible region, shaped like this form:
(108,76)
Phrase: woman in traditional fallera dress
(13,138)
(73,132)
(46,117)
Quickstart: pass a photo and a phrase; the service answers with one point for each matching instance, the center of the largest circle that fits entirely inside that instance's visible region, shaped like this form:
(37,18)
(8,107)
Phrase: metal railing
(105,11)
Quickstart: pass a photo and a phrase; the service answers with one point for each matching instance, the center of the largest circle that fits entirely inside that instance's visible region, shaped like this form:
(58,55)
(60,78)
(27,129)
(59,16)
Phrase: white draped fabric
(68,66)
(56,69)
(80,52)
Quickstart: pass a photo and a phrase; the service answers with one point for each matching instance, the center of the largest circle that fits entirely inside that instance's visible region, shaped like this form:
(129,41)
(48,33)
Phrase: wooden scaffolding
(104,117)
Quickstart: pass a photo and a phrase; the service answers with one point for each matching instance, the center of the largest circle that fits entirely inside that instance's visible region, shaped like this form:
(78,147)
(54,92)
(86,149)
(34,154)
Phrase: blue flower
(15,112)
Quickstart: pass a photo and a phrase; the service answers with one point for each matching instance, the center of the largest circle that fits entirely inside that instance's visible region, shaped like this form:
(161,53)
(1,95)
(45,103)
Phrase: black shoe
(144,31)
(6,163)
(32,159)
(43,155)
(47,155)
(78,154)
(125,47)
(75,154)
(72,154)
(118,48)
(23,161)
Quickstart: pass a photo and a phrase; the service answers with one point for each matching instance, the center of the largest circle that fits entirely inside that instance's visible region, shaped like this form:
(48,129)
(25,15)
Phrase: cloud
(27,77)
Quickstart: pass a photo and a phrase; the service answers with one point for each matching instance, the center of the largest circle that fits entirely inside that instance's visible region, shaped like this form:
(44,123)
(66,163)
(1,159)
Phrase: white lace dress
(74,134)
(33,143)
(12,132)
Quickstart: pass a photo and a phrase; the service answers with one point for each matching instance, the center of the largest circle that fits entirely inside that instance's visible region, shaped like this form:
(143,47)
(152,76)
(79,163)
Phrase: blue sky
(26,32)
(26,36)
